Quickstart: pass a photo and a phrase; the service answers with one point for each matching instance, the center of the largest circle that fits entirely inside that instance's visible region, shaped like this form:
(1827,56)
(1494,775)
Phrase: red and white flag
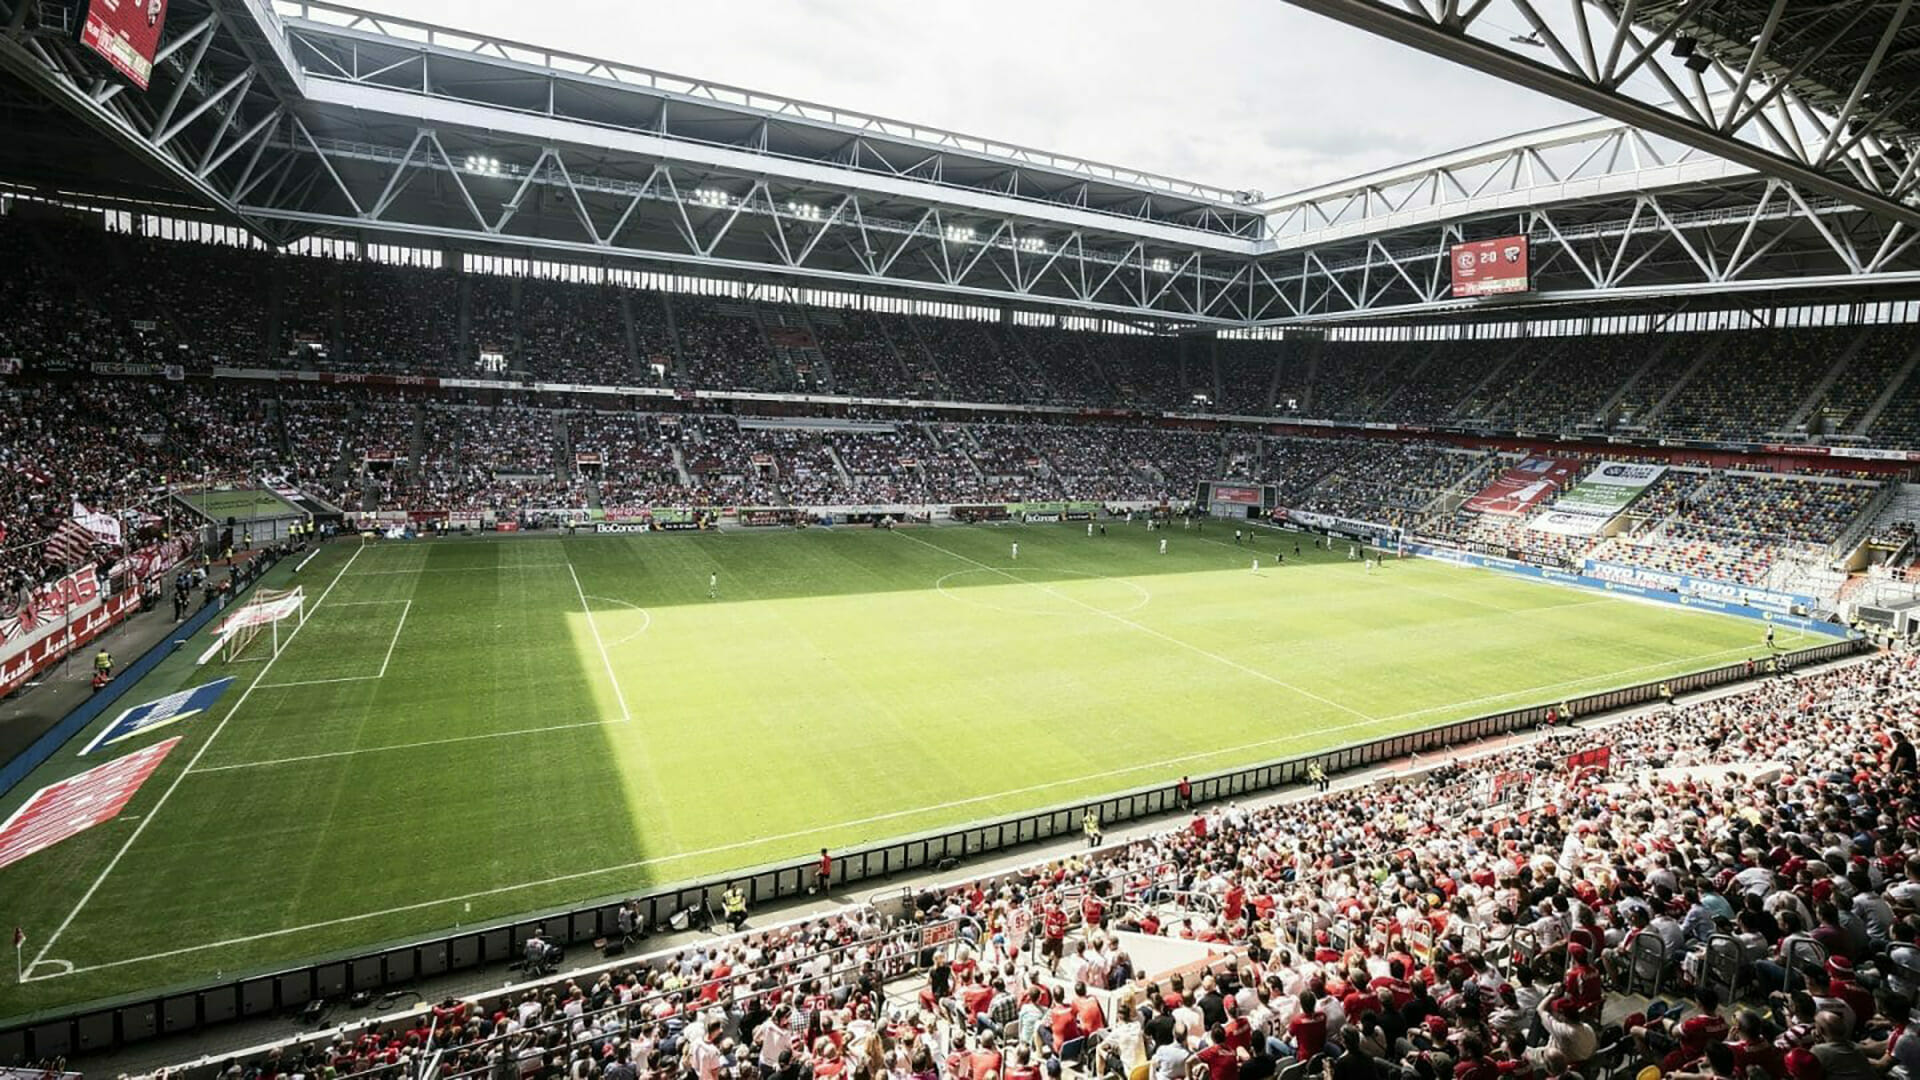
(70,544)
(104,527)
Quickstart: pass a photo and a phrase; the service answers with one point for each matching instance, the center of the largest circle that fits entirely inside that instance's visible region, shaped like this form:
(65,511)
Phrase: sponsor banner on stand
(1523,487)
(1564,524)
(1347,528)
(1609,488)
(1625,588)
(1687,585)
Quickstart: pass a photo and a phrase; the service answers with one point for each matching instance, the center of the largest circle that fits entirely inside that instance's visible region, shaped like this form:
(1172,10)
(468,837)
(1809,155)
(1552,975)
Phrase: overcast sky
(1240,93)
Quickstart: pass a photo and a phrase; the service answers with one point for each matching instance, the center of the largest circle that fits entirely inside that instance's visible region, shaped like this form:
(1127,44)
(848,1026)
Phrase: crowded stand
(1734,894)
(398,320)
(863,358)
(1245,376)
(722,345)
(575,333)
(1752,382)
(1390,483)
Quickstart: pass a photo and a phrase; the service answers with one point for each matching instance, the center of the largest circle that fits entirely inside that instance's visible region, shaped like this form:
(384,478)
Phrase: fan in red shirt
(1583,985)
(1222,1062)
(1308,1029)
(1053,935)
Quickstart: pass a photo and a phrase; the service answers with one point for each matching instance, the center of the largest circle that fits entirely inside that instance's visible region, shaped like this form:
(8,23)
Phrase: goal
(257,622)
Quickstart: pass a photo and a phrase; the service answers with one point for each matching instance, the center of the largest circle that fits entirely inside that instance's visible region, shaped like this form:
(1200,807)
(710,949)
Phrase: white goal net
(255,628)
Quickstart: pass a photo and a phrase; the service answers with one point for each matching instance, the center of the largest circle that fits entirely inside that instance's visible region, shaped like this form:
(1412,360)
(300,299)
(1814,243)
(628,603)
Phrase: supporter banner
(47,606)
(1522,487)
(767,516)
(153,559)
(1608,489)
(25,657)
(1706,588)
(1563,524)
(159,713)
(677,520)
(102,367)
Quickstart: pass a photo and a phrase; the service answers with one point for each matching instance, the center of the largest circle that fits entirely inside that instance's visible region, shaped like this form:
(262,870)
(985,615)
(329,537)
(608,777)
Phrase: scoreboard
(1490,267)
(1236,498)
(125,33)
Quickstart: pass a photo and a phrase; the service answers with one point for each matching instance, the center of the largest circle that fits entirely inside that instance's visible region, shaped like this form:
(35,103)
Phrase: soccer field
(466,729)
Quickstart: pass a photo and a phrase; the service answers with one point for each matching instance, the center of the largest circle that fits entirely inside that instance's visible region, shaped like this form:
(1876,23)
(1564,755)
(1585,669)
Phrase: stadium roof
(317,118)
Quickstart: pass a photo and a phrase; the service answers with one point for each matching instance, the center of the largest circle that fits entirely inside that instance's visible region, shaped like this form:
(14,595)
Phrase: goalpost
(265,610)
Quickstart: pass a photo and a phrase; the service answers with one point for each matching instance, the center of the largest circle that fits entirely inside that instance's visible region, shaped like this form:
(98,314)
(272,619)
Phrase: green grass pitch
(467,729)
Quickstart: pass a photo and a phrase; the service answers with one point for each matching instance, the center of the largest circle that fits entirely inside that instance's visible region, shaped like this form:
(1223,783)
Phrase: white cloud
(1241,93)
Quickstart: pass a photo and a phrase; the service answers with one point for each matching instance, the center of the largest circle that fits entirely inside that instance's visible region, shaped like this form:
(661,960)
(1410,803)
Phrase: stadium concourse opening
(465,729)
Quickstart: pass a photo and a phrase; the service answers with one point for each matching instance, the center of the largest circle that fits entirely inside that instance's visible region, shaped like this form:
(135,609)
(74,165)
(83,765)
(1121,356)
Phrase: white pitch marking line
(318,682)
(367,603)
(404,612)
(405,746)
(1124,621)
(465,569)
(175,786)
(577,875)
(644,626)
(604,658)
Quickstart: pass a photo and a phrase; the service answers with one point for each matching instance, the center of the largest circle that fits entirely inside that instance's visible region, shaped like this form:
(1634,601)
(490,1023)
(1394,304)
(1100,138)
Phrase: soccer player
(1163,547)
(1236,536)
(1089,530)
(1352,552)
(713,586)
(1256,566)
(1769,635)
(1016,551)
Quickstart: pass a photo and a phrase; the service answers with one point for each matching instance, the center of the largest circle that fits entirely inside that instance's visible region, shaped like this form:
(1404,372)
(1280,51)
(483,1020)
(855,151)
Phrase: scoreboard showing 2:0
(1490,267)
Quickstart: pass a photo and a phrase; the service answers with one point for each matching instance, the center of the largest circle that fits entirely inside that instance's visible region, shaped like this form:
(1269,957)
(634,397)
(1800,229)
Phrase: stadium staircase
(1797,422)
(1892,390)
(839,467)
(682,376)
(1410,376)
(1661,345)
(928,360)
(1700,361)
(680,466)
(811,320)
(1491,378)
(795,366)
(914,358)
(1019,362)
(635,369)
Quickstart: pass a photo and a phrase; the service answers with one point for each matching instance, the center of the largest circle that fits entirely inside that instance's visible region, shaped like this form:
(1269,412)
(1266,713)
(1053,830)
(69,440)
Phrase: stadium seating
(1741,862)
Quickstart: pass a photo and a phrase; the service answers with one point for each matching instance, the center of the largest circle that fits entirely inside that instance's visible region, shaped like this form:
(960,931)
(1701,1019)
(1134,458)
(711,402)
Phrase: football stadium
(518,565)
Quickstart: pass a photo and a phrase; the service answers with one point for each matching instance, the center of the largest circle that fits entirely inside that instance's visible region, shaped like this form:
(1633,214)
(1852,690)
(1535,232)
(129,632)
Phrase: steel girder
(350,45)
(204,118)
(359,150)
(1643,62)
(1746,234)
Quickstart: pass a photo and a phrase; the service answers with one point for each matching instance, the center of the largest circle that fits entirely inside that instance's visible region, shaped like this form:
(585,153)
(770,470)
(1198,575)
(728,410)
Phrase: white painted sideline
(182,775)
